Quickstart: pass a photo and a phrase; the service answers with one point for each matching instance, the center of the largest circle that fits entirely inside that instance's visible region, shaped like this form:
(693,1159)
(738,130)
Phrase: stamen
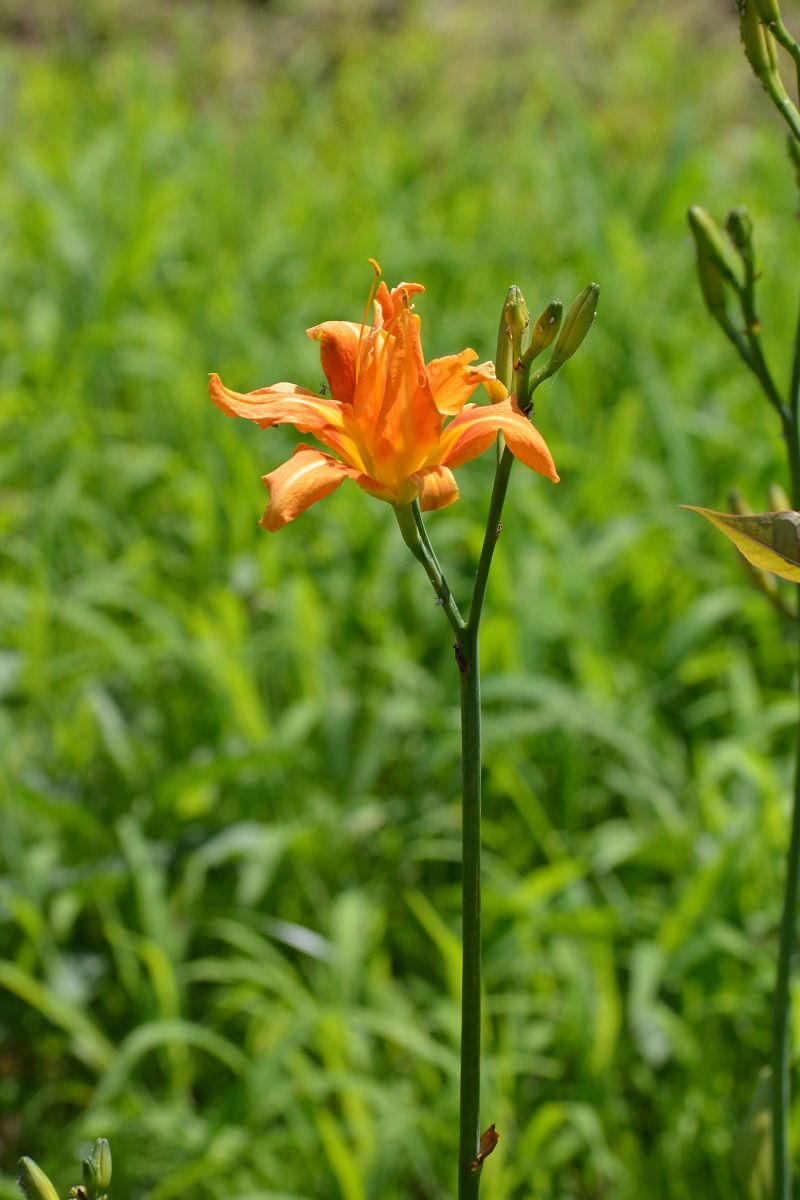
(373,288)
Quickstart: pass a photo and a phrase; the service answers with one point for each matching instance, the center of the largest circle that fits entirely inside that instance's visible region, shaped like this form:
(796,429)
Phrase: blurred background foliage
(229,811)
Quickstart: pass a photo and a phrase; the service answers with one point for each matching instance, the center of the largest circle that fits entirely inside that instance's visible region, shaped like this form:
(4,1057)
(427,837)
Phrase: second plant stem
(781,1005)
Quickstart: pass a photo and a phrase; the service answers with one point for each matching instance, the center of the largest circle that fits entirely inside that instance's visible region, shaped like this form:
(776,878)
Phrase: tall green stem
(492,533)
(781,1047)
(470,1092)
(781,1004)
(469,667)
(467,658)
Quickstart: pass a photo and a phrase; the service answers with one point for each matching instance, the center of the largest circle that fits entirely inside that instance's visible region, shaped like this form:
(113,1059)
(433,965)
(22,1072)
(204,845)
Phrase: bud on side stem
(711,245)
(96,1168)
(759,45)
(34,1183)
(739,228)
(758,39)
(768,10)
(514,320)
(577,324)
(545,328)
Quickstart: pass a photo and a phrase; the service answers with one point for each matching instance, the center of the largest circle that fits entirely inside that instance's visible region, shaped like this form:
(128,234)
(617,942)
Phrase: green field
(229,892)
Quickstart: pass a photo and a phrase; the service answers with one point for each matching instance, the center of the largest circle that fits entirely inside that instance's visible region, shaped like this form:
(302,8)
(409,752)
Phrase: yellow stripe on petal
(281,404)
(474,430)
(307,477)
(453,381)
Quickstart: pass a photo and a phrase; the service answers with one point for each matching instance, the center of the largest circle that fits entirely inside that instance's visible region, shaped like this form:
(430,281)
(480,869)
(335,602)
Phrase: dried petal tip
(489,1140)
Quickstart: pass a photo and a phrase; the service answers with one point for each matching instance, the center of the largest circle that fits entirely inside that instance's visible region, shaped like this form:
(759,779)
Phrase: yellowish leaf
(770,541)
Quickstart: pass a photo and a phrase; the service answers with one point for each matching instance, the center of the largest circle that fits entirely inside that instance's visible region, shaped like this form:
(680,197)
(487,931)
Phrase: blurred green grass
(229,898)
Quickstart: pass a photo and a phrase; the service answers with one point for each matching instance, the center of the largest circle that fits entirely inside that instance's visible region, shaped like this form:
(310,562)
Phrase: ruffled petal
(474,430)
(308,476)
(453,381)
(436,486)
(389,304)
(338,354)
(281,404)
(407,425)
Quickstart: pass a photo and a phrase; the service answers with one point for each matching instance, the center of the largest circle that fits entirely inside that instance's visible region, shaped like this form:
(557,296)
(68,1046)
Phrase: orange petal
(407,426)
(390,303)
(437,488)
(474,430)
(374,488)
(308,476)
(453,381)
(338,354)
(281,404)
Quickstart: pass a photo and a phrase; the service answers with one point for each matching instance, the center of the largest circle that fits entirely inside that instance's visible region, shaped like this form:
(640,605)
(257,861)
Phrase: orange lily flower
(385,416)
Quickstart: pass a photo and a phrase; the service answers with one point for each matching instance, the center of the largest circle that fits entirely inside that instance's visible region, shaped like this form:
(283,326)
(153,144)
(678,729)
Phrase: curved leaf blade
(770,541)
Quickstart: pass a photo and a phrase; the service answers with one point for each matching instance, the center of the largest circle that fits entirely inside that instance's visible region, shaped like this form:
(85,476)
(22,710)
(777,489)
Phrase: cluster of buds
(726,268)
(519,343)
(762,31)
(95,1172)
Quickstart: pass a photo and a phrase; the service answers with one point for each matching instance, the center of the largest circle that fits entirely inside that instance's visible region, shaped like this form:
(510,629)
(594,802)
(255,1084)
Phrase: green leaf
(770,541)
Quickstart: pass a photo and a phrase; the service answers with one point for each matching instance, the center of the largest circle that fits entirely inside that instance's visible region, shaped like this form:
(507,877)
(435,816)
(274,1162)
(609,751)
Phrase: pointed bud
(545,328)
(709,243)
(577,324)
(96,1168)
(739,227)
(33,1181)
(759,46)
(713,285)
(769,11)
(514,320)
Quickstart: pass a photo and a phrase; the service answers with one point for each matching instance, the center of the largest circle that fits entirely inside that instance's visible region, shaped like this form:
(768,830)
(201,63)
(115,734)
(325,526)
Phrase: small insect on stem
(488,1141)
(323,389)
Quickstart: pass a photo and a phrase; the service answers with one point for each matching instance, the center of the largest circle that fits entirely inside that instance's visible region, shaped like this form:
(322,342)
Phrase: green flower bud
(710,244)
(713,286)
(514,320)
(759,46)
(768,10)
(33,1181)
(577,324)
(545,328)
(96,1168)
(739,227)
